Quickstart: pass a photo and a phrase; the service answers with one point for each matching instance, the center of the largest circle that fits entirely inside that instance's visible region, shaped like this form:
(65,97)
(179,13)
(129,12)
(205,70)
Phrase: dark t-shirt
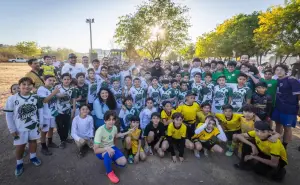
(252,69)
(158,131)
(157,72)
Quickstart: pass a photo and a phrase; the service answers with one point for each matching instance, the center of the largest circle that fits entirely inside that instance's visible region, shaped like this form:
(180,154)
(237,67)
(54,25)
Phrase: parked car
(21,60)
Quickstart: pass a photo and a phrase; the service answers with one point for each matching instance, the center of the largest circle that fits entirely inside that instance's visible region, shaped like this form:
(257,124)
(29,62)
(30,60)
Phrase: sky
(61,23)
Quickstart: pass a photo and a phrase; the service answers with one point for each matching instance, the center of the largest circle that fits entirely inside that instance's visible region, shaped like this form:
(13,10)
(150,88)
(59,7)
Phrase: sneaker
(46,152)
(52,145)
(112,177)
(146,149)
(130,159)
(19,170)
(62,145)
(36,161)
(70,141)
(150,151)
(229,153)
(205,152)
(197,154)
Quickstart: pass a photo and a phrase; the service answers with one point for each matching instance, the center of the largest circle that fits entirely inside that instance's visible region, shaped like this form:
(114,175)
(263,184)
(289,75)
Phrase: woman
(105,101)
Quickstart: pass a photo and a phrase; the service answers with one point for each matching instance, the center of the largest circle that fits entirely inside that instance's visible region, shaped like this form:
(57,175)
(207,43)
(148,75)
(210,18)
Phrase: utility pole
(90,21)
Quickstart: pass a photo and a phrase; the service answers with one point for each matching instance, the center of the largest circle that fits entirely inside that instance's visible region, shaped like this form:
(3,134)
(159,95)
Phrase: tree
(156,27)
(29,48)
(188,52)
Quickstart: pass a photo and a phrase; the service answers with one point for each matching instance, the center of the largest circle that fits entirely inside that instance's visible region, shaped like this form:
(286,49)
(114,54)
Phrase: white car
(21,60)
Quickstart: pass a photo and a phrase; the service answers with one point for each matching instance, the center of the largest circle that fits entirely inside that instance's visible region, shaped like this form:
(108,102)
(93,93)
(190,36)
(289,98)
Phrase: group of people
(201,106)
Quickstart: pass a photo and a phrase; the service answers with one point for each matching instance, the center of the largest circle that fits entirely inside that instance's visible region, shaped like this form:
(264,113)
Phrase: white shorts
(26,136)
(48,123)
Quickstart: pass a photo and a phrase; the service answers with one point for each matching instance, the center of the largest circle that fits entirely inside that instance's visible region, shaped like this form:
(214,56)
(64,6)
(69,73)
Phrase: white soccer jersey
(123,74)
(194,71)
(118,96)
(207,93)
(64,104)
(126,90)
(94,88)
(126,115)
(25,111)
(155,94)
(139,97)
(50,108)
(197,88)
(145,116)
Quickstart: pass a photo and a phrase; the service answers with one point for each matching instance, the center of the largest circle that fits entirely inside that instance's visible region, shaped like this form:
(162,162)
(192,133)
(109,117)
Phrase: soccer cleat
(130,159)
(150,151)
(146,149)
(197,154)
(52,145)
(46,152)
(36,161)
(62,145)
(70,141)
(205,152)
(113,178)
(229,153)
(19,170)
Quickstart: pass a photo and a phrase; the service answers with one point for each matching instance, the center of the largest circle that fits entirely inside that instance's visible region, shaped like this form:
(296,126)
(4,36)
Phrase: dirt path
(63,167)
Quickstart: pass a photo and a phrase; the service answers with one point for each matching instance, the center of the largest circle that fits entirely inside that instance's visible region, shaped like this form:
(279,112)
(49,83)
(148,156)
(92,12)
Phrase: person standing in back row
(71,67)
(157,70)
(35,74)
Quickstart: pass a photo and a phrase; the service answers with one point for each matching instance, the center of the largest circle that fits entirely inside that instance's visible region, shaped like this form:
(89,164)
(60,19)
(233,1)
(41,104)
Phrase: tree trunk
(285,58)
(260,58)
(276,57)
(257,60)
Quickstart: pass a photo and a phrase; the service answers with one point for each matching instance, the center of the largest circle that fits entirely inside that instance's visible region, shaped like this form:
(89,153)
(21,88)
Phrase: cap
(261,84)
(190,93)
(261,125)
(72,55)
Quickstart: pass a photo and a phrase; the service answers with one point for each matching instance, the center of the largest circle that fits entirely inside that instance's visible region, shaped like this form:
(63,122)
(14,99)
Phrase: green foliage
(60,53)
(156,27)
(188,51)
(29,48)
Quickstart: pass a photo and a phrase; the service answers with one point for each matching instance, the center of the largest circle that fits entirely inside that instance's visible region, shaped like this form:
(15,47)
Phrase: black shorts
(206,144)
(229,134)
(190,132)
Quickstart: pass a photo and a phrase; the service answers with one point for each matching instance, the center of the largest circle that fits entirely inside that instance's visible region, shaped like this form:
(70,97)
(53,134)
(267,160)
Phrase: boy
(93,81)
(213,66)
(231,123)
(104,146)
(196,87)
(145,115)
(271,84)
(185,71)
(48,68)
(175,92)
(127,86)
(96,65)
(138,94)
(48,94)
(196,68)
(82,91)
(104,80)
(241,94)
(127,112)
(245,68)
(116,74)
(270,157)
(207,89)
(206,69)
(287,103)
(166,92)
(182,93)
(204,112)
(66,106)
(231,74)
(222,95)
(154,134)
(219,72)
(262,102)
(117,91)
(154,92)
(166,113)
(24,114)
(178,77)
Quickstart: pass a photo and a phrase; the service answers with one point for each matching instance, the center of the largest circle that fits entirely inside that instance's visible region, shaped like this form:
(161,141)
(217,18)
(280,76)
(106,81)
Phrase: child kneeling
(105,148)
(204,136)
(133,142)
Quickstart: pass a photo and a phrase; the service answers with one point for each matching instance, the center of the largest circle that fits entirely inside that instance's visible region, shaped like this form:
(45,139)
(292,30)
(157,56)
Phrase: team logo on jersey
(26,111)
(281,84)
(16,102)
(269,85)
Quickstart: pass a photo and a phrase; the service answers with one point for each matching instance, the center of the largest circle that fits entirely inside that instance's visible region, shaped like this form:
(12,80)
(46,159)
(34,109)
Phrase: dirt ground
(63,167)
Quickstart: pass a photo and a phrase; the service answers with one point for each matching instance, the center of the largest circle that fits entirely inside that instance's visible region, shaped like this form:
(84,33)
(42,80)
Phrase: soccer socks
(32,155)
(20,161)
(107,163)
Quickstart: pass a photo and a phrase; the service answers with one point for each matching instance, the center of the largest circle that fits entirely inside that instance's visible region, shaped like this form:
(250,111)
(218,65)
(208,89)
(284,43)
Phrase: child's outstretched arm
(222,135)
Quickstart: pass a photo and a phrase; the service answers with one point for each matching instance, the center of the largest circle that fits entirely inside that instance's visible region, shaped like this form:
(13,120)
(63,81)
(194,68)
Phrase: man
(196,68)
(156,70)
(85,64)
(55,63)
(175,69)
(253,70)
(35,73)
(72,67)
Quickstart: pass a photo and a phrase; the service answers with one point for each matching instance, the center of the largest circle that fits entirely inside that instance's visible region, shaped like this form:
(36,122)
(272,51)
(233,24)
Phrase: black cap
(261,125)
(190,93)
(72,55)
(261,84)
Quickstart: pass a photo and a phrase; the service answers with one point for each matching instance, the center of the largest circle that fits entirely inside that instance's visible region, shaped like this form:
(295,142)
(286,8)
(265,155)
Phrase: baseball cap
(72,55)
(261,84)
(261,125)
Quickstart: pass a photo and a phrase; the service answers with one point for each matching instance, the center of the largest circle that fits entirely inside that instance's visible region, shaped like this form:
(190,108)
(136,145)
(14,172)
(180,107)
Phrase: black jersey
(262,105)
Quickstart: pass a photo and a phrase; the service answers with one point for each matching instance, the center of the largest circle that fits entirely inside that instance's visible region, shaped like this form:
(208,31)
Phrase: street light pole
(90,21)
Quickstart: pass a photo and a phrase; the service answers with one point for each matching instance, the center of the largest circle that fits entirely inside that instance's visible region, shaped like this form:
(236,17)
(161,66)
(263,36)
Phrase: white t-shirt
(50,108)
(145,116)
(194,71)
(82,128)
(123,74)
(56,64)
(73,70)
(25,111)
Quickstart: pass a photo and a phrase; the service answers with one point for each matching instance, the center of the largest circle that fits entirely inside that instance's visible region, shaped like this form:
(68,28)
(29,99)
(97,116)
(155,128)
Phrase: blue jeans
(98,122)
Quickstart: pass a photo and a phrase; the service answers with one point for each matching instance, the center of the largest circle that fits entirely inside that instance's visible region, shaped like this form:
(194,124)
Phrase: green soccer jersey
(181,96)
(197,89)
(83,92)
(207,93)
(240,95)
(216,74)
(231,77)
(221,97)
(272,88)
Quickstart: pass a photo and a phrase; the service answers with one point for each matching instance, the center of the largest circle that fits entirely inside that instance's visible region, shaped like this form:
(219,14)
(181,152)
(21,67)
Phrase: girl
(133,142)
(145,115)
(83,129)
(105,101)
(204,135)
(104,147)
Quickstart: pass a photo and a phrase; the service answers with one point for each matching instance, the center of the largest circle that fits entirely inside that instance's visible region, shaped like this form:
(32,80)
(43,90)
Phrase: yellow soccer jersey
(48,70)
(164,115)
(205,135)
(201,117)
(135,137)
(230,125)
(189,112)
(269,148)
(247,126)
(176,133)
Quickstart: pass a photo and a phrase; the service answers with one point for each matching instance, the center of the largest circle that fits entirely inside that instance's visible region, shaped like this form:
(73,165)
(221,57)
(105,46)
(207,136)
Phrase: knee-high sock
(107,163)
